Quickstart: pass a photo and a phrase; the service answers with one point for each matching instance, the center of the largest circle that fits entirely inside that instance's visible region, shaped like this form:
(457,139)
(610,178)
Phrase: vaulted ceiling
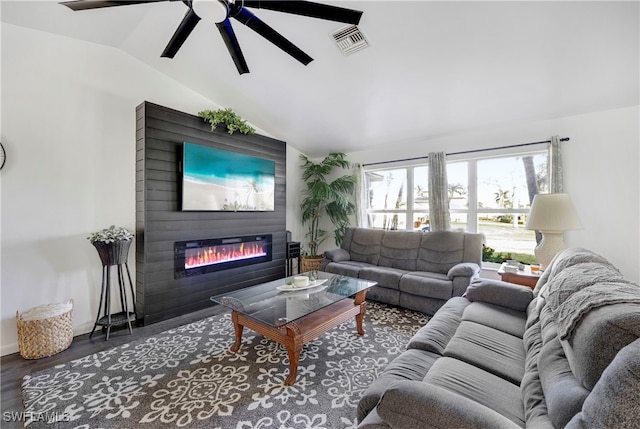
(432,68)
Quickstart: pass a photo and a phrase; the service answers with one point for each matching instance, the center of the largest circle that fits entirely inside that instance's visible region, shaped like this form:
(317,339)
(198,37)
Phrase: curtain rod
(564,139)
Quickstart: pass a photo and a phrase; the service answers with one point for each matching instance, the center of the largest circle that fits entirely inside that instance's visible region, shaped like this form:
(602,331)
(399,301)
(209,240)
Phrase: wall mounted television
(220,180)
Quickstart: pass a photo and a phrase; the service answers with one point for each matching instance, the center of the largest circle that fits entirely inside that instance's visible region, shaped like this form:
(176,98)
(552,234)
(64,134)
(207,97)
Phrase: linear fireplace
(204,256)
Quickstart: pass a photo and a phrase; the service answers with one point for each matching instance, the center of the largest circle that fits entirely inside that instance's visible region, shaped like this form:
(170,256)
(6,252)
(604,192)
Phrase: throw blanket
(582,287)
(580,303)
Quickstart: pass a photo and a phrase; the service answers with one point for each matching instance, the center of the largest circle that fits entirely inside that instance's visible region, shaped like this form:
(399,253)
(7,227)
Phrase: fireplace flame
(222,253)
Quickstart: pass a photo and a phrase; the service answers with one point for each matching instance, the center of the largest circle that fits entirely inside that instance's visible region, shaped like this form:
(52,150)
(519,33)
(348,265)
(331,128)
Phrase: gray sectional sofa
(565,355)
(414,269)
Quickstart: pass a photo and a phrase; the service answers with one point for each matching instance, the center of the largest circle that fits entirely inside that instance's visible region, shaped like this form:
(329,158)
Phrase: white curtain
(362,220)
(555,166)
(439,217)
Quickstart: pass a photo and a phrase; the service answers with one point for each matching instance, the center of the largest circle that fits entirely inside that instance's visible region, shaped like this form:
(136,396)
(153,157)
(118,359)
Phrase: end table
(521,277)
(293,252)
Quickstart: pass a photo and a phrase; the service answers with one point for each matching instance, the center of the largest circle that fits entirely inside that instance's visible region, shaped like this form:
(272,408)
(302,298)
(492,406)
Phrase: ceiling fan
(220,11)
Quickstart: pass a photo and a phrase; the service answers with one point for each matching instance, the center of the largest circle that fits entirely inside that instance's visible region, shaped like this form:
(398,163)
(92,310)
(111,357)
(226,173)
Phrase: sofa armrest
(501,293)
(337,255)
(416,404)
(613,402)
(464,269)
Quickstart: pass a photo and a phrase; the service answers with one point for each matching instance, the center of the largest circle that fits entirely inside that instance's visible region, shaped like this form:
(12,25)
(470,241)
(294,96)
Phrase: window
(458,178)
(390,204)
(387,197)
(490,195)
(505,187)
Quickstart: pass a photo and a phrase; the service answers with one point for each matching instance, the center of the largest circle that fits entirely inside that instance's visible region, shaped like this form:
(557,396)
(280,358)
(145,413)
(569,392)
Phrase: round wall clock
(3,156)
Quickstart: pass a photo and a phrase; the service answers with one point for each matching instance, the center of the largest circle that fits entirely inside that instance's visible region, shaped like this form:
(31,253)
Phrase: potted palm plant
(321,197)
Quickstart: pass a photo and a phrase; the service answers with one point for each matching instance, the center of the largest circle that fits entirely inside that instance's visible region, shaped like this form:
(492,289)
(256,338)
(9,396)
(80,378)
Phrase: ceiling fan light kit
(219,13)
(211,10)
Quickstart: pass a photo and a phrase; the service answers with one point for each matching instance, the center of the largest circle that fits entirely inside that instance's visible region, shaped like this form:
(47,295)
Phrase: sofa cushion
(432,285)
(533,311)
(535,407)
(494,351)
(414,404)
(410,365)
(439,251)
(385,276)
(496,317)
(337,255)
(384,294)
(480,386)
(422,304)
(501,293)
(548,327)
(399,249)
(563,393)
(365,245)
(345,268)
(436,334)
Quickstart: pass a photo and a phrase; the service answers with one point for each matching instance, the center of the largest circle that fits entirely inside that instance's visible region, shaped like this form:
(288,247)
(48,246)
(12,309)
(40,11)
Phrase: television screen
(219,180)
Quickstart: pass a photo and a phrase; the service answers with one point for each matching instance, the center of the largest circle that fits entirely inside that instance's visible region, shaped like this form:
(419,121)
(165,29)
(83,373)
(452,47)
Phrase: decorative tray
(292,288)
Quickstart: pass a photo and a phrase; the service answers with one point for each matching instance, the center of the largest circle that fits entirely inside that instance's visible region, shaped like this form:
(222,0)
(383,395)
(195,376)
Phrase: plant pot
(114,253)
(311,263)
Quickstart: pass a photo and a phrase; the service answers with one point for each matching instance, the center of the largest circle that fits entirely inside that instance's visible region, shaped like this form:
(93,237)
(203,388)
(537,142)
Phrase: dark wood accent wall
(160,132)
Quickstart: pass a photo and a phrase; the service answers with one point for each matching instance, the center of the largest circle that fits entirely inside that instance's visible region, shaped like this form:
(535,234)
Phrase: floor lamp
(552,215)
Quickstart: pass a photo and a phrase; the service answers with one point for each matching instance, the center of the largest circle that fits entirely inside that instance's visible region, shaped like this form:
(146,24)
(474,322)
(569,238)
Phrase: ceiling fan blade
(96,4)
(182,32)
(230,39)
(254,23)
(307,8)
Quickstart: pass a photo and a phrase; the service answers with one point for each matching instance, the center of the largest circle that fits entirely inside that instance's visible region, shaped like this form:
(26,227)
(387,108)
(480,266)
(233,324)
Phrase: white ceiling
(433,68)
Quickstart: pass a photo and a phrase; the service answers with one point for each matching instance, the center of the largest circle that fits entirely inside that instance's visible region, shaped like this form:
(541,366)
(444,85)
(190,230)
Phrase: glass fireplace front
(203,256)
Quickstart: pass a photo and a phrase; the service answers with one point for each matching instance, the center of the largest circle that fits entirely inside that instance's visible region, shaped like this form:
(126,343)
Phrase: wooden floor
(14,367)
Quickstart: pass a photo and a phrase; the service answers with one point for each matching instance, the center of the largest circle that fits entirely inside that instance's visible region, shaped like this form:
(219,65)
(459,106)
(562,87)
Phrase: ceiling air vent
(350,39)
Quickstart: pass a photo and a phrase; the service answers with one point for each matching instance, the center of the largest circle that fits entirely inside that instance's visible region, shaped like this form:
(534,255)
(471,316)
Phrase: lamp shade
(553,213)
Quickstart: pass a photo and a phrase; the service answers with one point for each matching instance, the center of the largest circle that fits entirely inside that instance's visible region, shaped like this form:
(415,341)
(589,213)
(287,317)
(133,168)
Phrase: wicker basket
(311,264)
(45,330)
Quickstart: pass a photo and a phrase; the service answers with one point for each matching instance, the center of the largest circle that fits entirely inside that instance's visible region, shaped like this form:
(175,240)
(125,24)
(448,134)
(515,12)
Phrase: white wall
(68,122)
(601,173)
(295,186)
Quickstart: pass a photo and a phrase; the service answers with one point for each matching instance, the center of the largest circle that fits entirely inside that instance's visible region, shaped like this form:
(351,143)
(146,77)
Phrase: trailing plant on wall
(324,197)
(228,118)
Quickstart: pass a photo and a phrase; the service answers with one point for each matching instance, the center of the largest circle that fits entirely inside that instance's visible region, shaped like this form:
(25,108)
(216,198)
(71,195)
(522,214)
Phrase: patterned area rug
(187,377)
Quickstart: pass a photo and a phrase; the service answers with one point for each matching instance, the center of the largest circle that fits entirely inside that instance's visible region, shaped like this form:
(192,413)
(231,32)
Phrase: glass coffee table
(294,316)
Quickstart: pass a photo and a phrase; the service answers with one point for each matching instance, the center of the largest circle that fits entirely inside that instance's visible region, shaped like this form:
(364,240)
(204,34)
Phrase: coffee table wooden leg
(294,347)
(360,300)
(238,328)
(294,357)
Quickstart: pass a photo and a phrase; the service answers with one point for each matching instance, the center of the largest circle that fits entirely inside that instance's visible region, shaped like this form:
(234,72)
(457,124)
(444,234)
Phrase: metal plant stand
(114,255)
